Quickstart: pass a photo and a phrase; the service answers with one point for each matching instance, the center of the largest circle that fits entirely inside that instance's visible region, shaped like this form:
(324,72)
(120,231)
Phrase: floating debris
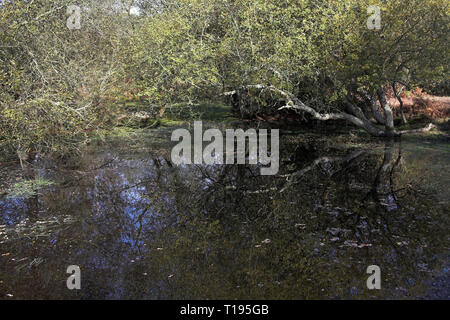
(36,262)
(349,243)
(336,231)
(354,244)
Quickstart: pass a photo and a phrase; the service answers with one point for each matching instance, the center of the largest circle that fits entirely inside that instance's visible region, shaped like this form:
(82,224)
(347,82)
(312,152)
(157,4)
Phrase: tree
(318,57)
(53,79)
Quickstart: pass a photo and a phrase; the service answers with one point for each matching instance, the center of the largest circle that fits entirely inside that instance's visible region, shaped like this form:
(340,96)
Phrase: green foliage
(54,81)
(57,85)
(317,50)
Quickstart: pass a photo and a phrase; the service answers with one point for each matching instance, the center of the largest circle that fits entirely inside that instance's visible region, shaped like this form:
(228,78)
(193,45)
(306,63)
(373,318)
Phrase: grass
(165,122)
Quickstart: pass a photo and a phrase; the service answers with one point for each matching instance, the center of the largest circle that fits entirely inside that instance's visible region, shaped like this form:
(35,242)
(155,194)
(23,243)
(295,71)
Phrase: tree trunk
(388,115)
(397,95)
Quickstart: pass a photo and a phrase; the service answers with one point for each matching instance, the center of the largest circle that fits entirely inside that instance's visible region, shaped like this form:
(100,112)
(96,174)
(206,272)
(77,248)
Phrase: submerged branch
(426,129)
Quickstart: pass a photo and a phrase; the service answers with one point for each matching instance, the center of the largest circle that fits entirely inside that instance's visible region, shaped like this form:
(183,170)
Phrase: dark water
(140,228)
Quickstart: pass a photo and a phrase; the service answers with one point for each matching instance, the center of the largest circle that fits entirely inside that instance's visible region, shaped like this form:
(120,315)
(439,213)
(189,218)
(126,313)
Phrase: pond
(140,227)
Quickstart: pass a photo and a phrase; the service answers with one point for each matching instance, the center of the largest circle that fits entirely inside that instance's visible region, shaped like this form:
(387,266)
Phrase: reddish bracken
(417,103)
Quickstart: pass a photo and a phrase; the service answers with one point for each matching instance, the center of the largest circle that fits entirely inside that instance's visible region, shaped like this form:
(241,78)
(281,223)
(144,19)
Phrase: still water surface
(140,228)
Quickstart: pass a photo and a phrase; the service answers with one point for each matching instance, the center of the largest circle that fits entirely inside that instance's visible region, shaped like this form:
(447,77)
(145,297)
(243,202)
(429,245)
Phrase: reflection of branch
(291,179)
(391,174)
(381,184)
(139,231)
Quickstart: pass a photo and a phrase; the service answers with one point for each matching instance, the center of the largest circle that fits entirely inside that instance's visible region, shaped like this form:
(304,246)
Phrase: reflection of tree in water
(146,229)
(329,221)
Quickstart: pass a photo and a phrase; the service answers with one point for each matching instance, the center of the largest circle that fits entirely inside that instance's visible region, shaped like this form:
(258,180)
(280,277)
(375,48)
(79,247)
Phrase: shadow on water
(140,227)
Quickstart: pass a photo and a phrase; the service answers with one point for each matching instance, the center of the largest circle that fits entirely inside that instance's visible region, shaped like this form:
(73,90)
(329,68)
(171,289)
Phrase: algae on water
(28,188)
